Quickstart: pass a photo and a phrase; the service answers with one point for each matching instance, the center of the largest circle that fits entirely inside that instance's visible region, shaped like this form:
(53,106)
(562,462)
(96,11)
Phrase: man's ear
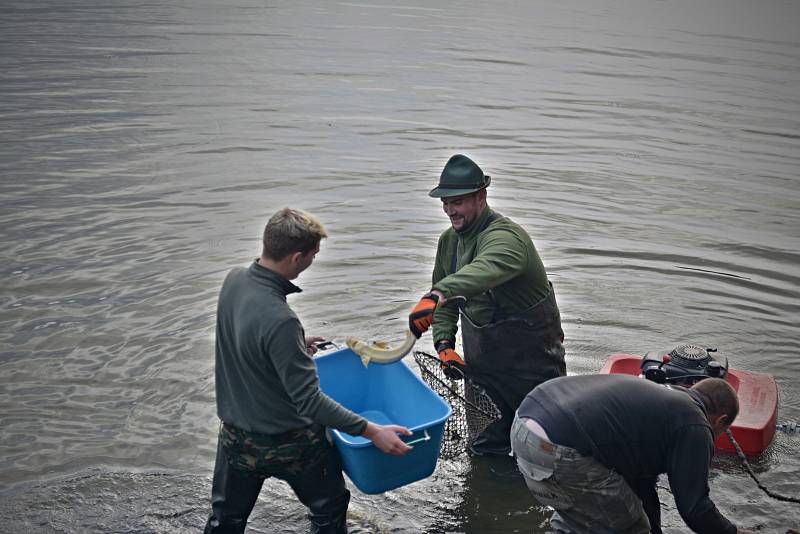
(719,424)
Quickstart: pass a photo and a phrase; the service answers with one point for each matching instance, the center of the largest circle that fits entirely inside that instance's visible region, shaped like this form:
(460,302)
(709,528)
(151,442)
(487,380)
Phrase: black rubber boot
(323,491)
(233,496)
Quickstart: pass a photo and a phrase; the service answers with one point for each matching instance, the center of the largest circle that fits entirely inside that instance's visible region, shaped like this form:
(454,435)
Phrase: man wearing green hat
(510,324)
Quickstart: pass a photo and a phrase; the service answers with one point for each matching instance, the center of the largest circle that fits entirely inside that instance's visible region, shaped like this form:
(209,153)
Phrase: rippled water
(651,149)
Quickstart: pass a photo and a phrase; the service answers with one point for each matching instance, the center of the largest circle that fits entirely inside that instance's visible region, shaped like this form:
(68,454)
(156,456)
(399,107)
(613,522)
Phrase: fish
(380,352)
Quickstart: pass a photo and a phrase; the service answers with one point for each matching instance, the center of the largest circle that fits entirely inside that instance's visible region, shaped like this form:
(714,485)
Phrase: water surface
(650,148)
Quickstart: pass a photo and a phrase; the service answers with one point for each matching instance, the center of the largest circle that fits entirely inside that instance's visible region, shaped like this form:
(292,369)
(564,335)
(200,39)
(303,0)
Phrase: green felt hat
(460,176)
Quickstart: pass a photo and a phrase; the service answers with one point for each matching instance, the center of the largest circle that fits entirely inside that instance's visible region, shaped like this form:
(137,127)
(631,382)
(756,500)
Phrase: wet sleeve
(298,374)
(688,466)
(645,489)
(501,255)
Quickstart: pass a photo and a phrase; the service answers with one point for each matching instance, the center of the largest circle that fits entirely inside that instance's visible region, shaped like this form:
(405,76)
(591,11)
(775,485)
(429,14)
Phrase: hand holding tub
(386,439)
(311,344)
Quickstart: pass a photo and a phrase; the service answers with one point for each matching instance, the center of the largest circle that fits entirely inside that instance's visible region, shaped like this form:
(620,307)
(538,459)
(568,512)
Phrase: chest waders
(510,356)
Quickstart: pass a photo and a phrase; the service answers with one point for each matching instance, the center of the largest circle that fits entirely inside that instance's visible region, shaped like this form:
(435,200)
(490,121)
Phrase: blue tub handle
(426,437)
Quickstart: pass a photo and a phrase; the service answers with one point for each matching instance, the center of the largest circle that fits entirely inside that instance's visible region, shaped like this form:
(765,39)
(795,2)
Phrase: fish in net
(473,409)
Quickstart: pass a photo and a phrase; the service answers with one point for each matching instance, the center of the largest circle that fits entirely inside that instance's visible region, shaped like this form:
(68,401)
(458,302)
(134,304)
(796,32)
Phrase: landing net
(473,409)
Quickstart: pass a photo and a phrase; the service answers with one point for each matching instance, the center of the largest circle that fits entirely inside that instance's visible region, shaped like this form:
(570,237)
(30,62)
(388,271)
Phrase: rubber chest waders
(509,358)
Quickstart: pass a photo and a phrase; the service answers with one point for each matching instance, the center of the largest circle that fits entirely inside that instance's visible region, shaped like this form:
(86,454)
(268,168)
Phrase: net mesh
(473,409)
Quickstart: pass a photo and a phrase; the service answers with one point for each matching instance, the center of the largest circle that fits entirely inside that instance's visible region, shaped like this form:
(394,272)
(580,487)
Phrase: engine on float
(684,365)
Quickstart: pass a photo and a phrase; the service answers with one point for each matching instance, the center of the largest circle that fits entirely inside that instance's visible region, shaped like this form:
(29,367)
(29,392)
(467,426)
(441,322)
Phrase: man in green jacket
(274,415)
(510,324)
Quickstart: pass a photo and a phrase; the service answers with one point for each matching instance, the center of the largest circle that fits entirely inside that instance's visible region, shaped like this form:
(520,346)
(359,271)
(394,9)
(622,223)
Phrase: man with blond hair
(274,415)
(593,446)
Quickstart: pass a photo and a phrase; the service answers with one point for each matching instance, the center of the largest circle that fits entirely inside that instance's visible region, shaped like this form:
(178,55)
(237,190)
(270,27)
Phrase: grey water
(651,148)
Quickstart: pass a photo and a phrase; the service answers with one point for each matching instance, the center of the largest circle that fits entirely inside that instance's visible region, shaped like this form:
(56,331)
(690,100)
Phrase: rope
(749,470)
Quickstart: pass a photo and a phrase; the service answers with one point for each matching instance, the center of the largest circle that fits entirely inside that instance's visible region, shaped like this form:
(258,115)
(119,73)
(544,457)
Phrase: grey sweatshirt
(266,382)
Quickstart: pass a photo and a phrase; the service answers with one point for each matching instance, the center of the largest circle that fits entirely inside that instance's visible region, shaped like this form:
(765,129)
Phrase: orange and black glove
(421,317)
(452,364)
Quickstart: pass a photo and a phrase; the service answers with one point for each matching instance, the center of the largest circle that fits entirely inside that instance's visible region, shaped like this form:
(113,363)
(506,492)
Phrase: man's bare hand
(386,438)
(311,342)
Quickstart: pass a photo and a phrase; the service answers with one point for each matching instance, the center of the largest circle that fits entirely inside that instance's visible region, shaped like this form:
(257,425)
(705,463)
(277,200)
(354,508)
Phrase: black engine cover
(683,365)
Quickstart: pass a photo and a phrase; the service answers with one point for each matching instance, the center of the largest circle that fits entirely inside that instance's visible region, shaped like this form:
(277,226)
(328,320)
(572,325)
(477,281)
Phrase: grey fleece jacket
(266,382)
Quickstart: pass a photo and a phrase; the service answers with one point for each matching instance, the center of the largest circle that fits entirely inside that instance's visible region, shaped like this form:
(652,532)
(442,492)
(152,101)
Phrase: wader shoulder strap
(498,313)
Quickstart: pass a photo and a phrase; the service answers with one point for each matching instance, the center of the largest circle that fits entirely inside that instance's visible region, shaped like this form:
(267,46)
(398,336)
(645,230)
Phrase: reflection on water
(651,149)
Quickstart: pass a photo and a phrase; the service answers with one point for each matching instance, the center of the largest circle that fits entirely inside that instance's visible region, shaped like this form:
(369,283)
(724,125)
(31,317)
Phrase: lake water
(651,149)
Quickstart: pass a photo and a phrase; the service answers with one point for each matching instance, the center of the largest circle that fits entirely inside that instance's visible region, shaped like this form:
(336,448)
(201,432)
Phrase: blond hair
(291,230)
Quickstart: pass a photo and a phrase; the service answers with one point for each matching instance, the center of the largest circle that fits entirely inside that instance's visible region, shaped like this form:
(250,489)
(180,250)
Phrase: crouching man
(592,448)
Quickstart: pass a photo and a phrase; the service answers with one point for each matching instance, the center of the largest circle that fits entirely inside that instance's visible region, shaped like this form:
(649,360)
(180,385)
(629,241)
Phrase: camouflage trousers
(267,455)
(303,458)
(588,498)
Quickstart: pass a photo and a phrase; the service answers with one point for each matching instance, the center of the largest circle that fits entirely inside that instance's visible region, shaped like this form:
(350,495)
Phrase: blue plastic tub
(384,393)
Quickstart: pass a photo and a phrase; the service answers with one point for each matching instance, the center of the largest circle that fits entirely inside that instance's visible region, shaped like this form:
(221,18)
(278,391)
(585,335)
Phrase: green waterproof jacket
(266,382)
(494,259)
